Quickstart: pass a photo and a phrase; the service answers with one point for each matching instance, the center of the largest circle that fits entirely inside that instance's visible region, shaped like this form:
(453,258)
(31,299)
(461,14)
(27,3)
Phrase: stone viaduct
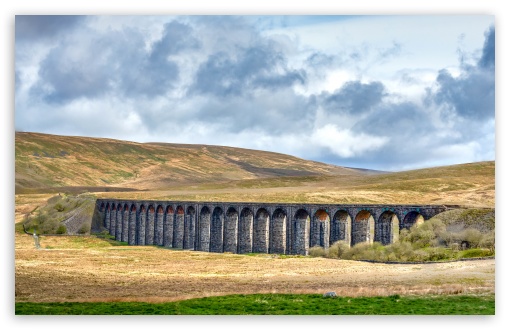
(256,227)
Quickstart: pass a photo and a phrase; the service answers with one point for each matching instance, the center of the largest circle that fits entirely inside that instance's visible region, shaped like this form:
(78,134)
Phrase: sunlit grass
(278,304)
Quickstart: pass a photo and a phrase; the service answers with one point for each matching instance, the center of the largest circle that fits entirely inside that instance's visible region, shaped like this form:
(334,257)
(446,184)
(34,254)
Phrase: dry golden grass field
(89,269)
(93,269)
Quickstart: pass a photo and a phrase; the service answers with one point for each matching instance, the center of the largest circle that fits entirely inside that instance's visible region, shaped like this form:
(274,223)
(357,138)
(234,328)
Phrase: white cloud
(345,143)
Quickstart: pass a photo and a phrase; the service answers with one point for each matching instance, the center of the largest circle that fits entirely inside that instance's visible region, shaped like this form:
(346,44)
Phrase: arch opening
(217,222)
(387,228)
(158,226)
(204,229)
(340,228)
(142,219)
(230,229)
(168,227)
(245,242)
(107,218)
(149,227)
(277,232)
(363,228)
(261,231)
(178,241)
(132,225)
(189,228)
(412,218)
(319,229)
(300,229)
(118,222)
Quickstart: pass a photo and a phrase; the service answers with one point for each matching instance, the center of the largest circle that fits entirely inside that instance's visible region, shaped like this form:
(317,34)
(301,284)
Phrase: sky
(385,92)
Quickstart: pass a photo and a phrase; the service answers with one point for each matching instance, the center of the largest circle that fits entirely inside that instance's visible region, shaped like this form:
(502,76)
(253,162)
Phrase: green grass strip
(277,304)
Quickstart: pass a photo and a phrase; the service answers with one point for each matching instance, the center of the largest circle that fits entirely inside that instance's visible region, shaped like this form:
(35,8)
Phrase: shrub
(317,251)
(426,234)
(402,251)
(354,251)
(439,253)
(488,241)
(62,229)
(472,236)
(84,229)
(338,249)
(59,207)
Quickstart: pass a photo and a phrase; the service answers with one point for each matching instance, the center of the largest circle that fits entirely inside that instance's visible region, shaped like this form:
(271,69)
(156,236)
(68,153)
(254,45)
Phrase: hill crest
(45,161)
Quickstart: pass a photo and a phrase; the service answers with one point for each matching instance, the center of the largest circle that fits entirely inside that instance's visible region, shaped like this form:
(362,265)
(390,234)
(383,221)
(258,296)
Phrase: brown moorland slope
(44,160)
(51,163)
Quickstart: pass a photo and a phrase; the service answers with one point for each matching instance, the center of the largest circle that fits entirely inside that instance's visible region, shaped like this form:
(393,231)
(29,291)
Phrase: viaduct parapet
(256,227)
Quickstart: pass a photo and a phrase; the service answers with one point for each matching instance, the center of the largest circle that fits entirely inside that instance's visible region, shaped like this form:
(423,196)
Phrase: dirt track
(89,269)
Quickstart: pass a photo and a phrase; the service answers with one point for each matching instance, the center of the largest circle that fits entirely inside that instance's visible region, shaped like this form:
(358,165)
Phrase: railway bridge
(277,228)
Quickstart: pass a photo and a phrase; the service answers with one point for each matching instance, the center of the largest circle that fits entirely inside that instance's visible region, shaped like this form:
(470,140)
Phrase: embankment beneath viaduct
(256,227)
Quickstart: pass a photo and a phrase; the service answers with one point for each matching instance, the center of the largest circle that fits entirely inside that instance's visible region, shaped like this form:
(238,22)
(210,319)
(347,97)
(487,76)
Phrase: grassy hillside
(120,169)
(44,161)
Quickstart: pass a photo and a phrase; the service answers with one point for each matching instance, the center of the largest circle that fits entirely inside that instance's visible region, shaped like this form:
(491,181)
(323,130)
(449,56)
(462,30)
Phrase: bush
(426,234)
(84,229)
(317,251)
(338,249)
(472,236)
(59,207)
(401,251)
(488,241)
(356,252)
(62,229)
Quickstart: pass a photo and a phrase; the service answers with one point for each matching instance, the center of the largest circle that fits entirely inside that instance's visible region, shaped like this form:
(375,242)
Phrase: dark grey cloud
(113,62)
(354,97)
(155,74)
(36,28)
(400,121)
(472,93)
(488,58)
(260,66)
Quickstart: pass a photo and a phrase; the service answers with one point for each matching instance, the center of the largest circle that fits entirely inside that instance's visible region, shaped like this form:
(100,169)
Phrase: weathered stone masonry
(256,227)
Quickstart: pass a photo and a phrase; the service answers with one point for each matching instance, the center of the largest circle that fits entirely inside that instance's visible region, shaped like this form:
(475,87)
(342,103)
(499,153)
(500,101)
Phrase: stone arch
(387,228)
(132,225)
(204,229)
(230,229)
(261,231)
(107,217)
(340,228)
(245,231)
(363,228)
(168,227)
(179,228)
(113,219)
(102,212)
(300,229)
(319,229)
(158,226)
(278,232)
(118,222)
(412,218)
(217,221)
(149,227)
(142,221)
(189,228)
(125,223)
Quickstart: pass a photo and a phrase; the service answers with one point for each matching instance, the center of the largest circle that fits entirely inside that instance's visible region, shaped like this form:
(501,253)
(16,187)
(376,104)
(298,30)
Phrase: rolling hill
(121,169)
(47,161)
